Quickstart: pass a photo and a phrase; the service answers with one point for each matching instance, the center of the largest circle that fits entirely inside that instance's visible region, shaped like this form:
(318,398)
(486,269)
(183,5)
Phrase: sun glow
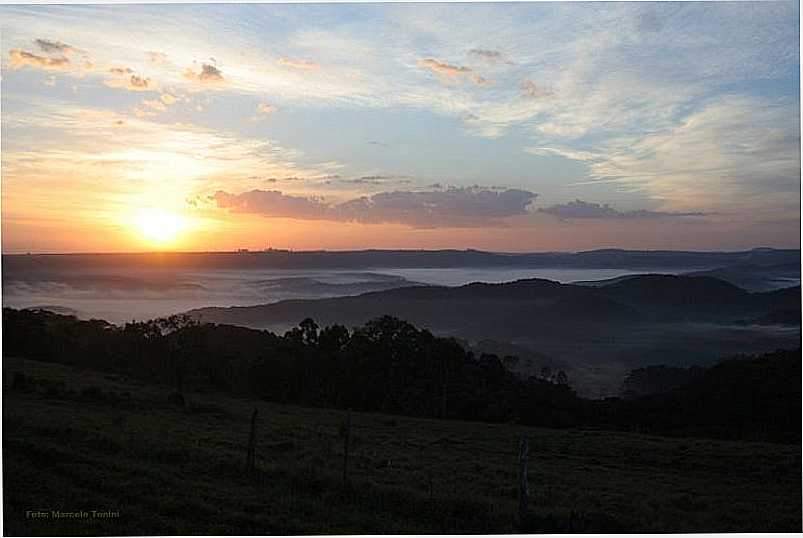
(158,225)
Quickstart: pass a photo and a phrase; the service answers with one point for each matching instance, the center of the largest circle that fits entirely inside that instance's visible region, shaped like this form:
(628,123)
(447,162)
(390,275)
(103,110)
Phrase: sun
(158,225)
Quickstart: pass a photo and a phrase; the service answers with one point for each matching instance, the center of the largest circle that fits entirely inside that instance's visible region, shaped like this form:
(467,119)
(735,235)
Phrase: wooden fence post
(443,401)
(250,456)
(524,490)
(346,439)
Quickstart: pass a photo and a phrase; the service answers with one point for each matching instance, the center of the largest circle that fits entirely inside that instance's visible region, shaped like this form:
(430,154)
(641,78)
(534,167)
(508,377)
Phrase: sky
(497,126)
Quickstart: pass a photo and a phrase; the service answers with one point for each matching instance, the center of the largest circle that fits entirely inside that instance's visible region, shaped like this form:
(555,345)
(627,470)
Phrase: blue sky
(526,126)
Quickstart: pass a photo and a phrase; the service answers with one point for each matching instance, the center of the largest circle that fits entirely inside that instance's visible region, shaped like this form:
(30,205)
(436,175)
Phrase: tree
(309,332)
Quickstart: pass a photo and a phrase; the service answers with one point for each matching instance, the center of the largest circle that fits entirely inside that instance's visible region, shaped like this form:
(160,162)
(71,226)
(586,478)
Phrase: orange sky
(568,127)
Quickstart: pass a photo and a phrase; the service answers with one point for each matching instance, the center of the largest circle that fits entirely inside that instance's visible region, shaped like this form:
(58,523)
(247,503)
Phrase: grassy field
(82,441)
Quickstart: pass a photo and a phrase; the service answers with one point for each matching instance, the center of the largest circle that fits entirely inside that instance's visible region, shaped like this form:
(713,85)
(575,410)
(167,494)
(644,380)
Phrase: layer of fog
(123,296)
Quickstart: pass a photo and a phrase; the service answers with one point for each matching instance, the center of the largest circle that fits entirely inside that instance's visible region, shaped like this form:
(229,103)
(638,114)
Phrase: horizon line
(245,251)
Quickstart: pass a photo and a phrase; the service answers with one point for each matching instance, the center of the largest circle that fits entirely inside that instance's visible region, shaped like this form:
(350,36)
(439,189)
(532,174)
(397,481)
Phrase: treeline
(390,366)
(743,397)
(387,365)
(658,379)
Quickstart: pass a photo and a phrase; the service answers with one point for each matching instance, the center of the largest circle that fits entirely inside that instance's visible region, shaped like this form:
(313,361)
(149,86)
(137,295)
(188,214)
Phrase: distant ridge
(281,259)
(516,308)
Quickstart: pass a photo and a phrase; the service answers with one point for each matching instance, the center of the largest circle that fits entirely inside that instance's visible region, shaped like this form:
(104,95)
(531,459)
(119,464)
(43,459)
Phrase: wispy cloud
(299,63)
(70,148)
(151,107)
(266,109)
(532,90)
(733,154)
(376,179)
(568,153)
(451,73)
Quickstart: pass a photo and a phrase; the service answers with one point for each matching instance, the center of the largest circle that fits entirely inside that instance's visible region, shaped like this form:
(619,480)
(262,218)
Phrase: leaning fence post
(524,490)
(346,439)
(250,456)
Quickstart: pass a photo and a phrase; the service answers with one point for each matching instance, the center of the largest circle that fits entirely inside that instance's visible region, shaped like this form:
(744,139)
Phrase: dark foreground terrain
(80,440)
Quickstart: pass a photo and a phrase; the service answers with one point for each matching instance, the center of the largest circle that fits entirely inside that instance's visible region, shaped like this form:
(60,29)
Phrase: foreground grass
(88,441)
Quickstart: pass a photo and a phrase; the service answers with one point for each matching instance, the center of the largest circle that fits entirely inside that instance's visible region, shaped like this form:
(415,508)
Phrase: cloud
(448,73)
(154,104)
(209,74)
(266,109)
(453,207)
(442,68)
(286,178)
(376,179)
(151,107)
(568,153)
(533,91)
(489,56)
(273,204)
(54,47)
(124,80)
(20,58)
(296,63)
(55,58)
(120,71)
(579,209)
(451,73)
(158,58)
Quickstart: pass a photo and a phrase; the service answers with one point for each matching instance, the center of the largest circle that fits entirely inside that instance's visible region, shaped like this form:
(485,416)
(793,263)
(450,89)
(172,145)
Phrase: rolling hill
(521,304)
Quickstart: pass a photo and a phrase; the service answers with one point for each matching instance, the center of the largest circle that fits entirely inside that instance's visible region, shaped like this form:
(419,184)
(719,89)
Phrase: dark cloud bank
(453,207)
(579,209)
